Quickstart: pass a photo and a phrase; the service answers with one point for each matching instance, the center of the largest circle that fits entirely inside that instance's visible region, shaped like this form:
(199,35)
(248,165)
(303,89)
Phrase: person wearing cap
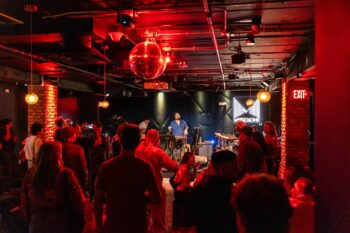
(149,151)
(73,155)
(250,154)
(239,126)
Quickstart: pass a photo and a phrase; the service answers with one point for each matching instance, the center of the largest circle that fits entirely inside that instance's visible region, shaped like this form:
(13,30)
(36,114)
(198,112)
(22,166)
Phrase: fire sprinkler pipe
(213,36)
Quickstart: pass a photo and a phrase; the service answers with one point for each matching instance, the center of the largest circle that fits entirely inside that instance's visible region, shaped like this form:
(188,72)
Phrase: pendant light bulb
(31,98)
(264,96)
(249,102)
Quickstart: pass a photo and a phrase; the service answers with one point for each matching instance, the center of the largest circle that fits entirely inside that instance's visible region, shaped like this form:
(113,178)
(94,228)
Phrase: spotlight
(265,83)
(250,39)
(126,20)
(256,25)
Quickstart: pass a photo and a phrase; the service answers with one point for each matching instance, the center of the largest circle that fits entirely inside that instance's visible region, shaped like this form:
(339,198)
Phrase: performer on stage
(178,127)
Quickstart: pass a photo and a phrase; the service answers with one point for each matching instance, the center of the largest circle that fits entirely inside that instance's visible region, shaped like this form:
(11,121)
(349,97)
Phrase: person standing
(144,125)
(127,184)
(8,142)
(262,205)
(211,198)
(179,129)
(51,197)
(73,156)
(271,139)
(33,143)
(250,154)
(60,124)
(150,151)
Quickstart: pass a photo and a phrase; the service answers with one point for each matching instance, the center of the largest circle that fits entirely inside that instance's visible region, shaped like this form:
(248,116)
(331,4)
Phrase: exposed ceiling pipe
(25,54)
(213,36)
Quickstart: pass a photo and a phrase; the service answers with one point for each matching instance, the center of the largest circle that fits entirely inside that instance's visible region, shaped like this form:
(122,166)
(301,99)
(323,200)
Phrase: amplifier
(205,149)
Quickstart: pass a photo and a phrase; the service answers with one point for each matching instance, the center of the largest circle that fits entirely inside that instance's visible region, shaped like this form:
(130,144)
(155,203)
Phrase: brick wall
(45,111)
(295,126)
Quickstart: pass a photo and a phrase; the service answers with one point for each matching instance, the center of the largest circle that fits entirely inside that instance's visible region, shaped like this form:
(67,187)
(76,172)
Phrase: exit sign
(300,94)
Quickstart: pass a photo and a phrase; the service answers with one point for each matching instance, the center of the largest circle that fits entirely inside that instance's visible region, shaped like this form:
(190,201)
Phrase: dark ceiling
(68,37)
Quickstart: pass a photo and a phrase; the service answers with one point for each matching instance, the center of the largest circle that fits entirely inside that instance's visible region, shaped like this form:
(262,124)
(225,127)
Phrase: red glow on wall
(50,110)
(282,167)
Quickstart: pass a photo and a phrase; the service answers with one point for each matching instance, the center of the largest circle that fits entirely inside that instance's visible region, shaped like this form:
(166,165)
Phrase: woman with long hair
(271,139)
(182,212)
(51,197)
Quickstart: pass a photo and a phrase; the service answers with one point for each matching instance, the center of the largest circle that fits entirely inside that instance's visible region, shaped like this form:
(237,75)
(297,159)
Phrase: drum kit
(226,141)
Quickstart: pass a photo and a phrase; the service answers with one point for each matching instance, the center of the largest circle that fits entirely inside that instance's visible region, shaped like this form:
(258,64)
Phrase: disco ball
(147,60)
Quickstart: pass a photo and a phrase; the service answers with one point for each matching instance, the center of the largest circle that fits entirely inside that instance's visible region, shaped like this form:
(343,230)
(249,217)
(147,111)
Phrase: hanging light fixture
(31,98)
(104,103)
(250,102)
(264,96)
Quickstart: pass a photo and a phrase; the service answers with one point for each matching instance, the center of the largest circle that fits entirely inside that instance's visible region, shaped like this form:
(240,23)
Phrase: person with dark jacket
(250,155)
(60,124)
(211,198)
(73,155)
(126,184)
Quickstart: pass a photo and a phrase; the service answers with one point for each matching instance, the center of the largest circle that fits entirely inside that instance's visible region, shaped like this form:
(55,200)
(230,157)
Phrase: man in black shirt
(212,206)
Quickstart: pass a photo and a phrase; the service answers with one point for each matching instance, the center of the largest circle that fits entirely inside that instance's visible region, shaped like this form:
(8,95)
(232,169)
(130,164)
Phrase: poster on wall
(244,113)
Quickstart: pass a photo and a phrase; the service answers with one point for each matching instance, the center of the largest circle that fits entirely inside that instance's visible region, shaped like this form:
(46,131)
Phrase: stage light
(126,20)
(266,83)
(256,25)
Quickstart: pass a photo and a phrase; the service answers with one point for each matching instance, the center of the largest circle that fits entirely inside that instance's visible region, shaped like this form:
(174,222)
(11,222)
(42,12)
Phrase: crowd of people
(123,178)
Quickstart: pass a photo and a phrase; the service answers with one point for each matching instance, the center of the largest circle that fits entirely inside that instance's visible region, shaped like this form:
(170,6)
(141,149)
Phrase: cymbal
(225,136)
(180,137)
(220,135)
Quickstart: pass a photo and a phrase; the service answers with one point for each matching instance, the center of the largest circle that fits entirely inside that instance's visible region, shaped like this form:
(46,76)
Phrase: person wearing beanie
(73,155)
